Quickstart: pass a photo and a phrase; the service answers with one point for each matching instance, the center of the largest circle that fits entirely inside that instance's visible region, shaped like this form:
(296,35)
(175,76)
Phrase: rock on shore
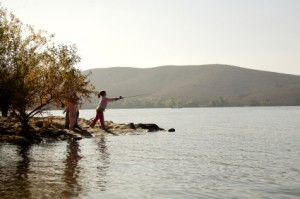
(52,128)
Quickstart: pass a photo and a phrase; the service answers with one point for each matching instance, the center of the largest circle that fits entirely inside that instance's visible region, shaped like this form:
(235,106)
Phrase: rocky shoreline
(44,129)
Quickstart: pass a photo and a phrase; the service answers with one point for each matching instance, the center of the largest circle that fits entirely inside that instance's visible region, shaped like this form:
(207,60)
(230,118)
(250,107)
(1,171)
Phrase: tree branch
(34,111)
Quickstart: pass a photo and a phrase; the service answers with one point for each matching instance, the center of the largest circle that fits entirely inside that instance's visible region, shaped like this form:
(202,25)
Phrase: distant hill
(194,86)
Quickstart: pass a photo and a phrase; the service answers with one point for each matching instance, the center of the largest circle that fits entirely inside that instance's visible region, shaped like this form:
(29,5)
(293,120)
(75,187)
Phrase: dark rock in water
(77,138)
(150,127)
(85,133)
(132,126)
(171,130)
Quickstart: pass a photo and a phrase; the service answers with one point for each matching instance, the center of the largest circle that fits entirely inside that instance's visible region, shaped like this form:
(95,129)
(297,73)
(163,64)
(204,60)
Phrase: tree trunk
(25,124)
(4,104)
(24,120)
(4,110)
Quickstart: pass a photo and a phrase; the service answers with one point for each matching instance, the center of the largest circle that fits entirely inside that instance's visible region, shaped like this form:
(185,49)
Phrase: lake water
(214,153)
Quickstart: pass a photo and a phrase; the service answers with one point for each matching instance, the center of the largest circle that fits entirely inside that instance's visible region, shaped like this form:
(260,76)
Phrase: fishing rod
(137,95)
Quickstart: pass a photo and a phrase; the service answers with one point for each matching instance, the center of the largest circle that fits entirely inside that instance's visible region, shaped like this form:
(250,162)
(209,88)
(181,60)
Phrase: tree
(10,40)
(36,72)
(255,102)
(219,102)
(170,102)
(47,78)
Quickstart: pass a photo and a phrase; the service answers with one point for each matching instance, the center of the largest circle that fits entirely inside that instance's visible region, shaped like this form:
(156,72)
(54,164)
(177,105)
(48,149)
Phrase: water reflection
(22,170)
(45,171)
(14,174)
(71,172)
(103,163)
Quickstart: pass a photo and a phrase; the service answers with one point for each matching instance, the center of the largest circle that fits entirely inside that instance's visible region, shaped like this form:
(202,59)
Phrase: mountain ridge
(196,86)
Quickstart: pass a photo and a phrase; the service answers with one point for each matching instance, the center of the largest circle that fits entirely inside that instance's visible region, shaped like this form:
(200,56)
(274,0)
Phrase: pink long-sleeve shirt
(103,103)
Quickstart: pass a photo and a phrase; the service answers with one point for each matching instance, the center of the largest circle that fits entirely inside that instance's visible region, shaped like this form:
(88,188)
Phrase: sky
(257,34)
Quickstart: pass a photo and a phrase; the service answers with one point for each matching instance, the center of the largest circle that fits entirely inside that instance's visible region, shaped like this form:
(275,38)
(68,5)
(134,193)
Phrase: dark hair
(101,93)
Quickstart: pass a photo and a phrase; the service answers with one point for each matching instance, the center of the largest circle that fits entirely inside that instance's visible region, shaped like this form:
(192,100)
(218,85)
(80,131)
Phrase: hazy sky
(259,34)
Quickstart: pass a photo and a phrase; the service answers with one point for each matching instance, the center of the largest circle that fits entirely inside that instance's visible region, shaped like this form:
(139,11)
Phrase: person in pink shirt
(101,108)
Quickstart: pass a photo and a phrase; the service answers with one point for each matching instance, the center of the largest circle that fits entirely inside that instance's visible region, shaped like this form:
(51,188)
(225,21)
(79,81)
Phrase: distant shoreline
(189,107)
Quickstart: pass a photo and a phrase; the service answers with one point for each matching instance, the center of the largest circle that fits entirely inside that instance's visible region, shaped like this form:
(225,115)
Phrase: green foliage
(10,34)
(220,102)
(34,71)
(255,102)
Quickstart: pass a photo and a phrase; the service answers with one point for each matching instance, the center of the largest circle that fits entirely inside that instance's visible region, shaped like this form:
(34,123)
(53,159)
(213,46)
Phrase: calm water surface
(214,153)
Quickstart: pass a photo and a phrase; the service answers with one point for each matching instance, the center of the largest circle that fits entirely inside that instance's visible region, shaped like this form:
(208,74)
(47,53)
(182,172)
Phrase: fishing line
(138,95)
